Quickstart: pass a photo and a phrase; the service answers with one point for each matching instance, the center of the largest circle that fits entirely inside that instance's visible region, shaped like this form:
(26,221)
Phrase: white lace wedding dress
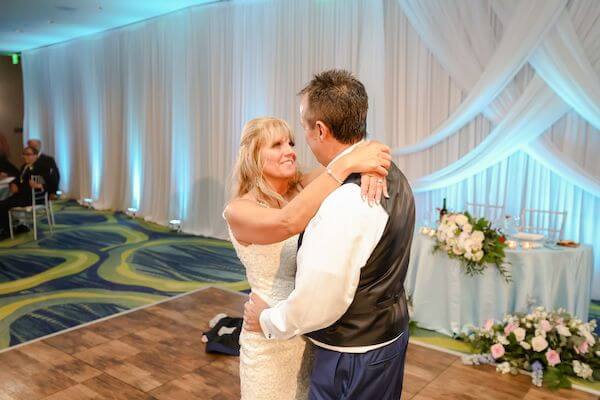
(272,369)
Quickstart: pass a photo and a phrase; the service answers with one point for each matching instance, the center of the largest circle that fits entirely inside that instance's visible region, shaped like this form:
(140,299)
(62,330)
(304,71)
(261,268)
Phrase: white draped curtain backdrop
(494,101)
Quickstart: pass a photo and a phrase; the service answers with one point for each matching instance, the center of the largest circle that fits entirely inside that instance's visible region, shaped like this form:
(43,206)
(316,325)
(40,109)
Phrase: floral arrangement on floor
(471,241)
(550,345)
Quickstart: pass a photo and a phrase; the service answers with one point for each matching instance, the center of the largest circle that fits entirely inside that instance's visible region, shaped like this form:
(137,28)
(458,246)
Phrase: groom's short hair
(339,100)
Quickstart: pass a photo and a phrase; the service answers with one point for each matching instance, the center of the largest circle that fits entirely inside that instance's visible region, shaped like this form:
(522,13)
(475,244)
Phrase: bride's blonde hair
(248,171)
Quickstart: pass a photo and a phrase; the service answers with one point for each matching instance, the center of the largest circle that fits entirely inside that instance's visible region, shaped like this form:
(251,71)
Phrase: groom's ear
(323,130)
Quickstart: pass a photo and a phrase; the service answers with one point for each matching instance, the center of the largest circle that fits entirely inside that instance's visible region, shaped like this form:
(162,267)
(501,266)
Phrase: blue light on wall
(95,153)
(62,146)
(181,149)
(135,165)
(94,135)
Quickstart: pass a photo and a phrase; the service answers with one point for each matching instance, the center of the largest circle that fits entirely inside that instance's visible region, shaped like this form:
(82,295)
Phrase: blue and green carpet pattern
(96,264)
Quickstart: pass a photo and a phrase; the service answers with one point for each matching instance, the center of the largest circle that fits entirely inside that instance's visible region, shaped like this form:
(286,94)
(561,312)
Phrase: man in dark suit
(46,163)
(21,187)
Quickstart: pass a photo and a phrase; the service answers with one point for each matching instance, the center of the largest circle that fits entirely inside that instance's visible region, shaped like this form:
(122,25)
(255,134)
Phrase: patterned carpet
(100,263)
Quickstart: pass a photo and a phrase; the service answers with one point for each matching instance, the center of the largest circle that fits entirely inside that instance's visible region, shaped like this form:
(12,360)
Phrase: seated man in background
(46,163)
(21,187)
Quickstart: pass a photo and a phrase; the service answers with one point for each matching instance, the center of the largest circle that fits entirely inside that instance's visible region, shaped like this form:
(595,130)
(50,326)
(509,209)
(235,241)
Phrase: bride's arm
(311,176)
(251,223)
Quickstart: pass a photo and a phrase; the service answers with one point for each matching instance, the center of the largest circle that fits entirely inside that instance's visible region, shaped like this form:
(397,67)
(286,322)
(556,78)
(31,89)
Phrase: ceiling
(27,24)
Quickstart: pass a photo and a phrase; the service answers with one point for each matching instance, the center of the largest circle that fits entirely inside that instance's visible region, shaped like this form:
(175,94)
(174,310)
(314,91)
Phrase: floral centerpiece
(471,241)
(551,345)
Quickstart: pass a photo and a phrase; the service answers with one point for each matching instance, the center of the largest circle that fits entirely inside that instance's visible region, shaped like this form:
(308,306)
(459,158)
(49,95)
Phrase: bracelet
(335,178)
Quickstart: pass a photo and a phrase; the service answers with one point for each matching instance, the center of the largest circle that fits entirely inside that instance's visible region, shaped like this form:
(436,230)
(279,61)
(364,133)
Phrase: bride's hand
(372,187)
(369,157)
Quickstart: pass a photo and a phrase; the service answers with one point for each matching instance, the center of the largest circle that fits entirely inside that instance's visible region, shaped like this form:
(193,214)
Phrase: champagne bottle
(444,210)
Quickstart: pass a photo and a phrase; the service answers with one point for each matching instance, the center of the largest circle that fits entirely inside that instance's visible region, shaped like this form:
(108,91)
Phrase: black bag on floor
(224,336)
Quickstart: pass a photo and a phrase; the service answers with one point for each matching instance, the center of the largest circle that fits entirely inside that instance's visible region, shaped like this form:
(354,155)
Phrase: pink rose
(552,357)
(582,349)
(509,328)
(497,351)
(545,325)
(488,325)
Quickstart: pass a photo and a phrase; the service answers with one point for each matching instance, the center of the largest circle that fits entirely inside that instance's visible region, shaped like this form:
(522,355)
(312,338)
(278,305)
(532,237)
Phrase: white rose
(457,250)
(468,228)
(563,330)
(588,337)
(468,245)
(461,220)
(582,369)
(478,256)
(503,367)
(452,242)
(525,345)
(451,218)
(462,238)
(502,340)
(539,343)
(519,334)
(477,236)
(468,255)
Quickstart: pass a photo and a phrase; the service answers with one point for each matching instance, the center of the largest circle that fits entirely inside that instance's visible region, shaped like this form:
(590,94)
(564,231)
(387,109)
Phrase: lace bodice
(270,269)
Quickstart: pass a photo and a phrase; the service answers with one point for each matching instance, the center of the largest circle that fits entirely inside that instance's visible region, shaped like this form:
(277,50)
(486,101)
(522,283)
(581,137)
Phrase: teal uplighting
(94,131)
(136,177)
(62,139)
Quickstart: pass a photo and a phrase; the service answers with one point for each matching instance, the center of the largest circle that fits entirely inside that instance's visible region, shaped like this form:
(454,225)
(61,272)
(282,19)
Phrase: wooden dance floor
(156,353)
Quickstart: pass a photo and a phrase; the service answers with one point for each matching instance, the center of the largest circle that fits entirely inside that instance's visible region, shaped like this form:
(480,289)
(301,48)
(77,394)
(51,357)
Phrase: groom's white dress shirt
(337,243)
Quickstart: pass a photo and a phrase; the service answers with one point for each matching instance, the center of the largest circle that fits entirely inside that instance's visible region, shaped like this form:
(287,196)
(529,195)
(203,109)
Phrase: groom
(352,260)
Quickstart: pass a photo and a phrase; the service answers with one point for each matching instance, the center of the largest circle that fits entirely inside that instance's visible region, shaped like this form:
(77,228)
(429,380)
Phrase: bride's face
(279,157)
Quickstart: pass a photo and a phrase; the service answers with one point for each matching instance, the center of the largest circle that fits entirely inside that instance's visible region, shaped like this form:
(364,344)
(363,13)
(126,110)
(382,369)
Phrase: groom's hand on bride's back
(252,309)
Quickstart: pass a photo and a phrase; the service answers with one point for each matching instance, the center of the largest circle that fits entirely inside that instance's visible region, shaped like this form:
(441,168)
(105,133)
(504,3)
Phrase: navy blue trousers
(376,374)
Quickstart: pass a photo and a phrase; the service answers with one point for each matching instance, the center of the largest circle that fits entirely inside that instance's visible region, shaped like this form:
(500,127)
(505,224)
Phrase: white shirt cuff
(264,319)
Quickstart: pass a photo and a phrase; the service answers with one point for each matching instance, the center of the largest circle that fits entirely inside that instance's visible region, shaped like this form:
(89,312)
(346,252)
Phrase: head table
(447,300)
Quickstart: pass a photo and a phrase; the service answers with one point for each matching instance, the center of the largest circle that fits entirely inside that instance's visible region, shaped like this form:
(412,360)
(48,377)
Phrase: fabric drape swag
(490,101)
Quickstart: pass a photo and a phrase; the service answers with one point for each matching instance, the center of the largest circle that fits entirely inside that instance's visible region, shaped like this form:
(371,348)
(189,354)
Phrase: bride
(272,204)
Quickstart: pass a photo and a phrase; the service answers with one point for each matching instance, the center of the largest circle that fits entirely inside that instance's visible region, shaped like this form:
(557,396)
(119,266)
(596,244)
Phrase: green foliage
(555,379)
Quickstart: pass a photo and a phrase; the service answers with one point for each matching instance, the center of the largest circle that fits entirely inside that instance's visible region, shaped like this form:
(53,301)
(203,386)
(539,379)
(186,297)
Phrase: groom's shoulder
(346,199)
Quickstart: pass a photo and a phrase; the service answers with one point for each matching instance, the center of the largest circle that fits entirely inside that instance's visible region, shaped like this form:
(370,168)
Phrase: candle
(526,245)
(511,244)
(424,230)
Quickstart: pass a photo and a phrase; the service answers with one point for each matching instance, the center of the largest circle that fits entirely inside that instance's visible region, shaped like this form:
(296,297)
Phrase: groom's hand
(252,309)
